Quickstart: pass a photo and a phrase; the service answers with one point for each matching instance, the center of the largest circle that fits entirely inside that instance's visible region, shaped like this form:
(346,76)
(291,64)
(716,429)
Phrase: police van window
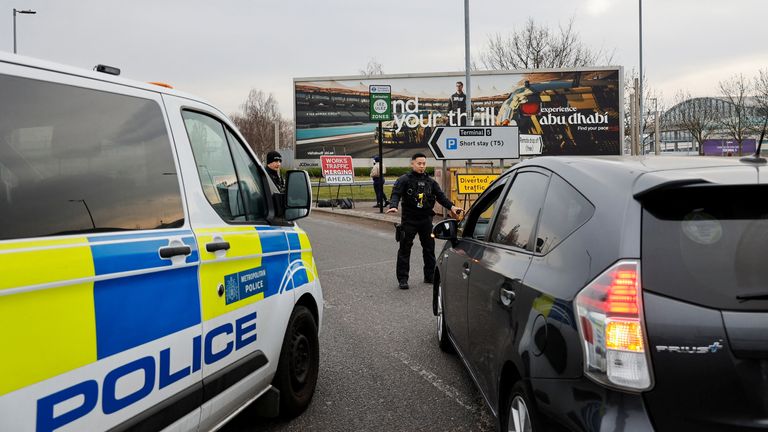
(229,185)
(477,223)
(517,216)
(76,160)
(565,210)
(250,180)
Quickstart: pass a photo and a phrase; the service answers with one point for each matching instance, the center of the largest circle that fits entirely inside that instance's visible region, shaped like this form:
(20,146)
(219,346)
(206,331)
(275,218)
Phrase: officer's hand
(457,210)
(392,210)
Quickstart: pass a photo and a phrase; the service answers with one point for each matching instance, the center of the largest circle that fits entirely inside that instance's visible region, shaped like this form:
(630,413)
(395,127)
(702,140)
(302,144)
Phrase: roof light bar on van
(610,321)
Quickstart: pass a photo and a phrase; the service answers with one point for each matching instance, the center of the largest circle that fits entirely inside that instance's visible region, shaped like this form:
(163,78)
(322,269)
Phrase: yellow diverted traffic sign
(474,183)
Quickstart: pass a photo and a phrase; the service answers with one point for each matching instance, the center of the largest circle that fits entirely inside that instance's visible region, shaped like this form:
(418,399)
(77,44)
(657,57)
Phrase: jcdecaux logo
(156,371)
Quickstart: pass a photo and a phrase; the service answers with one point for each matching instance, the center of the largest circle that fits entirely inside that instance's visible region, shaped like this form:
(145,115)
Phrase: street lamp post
(640,99)
(16,12)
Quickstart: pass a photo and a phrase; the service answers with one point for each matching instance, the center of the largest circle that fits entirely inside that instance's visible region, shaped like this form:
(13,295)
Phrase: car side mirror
(298,195)
(446,230)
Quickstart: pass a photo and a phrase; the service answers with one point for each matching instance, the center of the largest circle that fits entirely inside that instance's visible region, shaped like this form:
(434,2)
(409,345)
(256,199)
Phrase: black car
(613,294)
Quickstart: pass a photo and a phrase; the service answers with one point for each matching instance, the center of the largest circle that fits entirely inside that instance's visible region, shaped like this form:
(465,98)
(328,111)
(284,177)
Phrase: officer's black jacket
(418,193)
(276,178)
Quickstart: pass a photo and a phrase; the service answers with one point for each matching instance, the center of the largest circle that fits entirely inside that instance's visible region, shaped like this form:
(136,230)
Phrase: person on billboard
(378,183)
(274,161)
(418,194)
(457,104)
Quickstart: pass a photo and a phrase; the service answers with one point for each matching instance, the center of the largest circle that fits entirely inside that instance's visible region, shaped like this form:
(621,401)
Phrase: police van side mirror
(298,195)
(445,230)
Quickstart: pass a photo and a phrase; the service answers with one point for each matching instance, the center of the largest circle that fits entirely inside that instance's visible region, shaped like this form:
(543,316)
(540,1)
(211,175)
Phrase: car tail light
(529,108)
(610,320)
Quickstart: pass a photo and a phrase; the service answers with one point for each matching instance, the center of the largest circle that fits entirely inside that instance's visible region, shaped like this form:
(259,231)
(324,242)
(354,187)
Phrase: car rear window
(707,245)
(76,160)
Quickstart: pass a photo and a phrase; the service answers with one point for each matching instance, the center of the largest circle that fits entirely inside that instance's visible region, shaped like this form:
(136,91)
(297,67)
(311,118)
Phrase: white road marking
(447,389)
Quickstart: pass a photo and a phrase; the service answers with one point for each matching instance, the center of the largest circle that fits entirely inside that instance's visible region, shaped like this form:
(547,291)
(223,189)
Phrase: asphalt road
(380,366)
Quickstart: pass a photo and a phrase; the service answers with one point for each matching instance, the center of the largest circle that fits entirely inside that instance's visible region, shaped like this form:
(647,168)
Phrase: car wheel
(520,414)
(442,332)
(299,362)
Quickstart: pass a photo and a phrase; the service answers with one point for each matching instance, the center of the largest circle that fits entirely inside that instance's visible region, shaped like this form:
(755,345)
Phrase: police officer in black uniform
(457,104)
(274,162)
(418,193)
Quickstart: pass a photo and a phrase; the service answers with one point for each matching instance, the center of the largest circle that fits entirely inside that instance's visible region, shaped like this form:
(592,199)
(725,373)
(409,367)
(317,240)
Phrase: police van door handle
(173,251)
(217,246)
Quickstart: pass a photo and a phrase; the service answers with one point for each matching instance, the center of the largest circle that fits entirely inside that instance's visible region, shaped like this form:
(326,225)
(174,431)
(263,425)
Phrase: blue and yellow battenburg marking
(115,293)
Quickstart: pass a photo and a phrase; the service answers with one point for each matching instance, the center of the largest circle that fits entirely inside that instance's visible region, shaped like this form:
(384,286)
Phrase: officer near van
(274,162)
(418,193)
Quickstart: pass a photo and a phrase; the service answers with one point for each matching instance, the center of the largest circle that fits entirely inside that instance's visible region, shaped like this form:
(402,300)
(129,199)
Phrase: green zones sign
(380,102)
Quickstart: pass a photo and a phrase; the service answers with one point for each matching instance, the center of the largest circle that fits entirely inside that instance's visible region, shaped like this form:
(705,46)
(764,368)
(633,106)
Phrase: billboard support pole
(381,164)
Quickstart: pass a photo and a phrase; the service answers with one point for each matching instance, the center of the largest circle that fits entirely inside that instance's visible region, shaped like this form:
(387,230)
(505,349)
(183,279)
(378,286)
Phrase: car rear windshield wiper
(753,296)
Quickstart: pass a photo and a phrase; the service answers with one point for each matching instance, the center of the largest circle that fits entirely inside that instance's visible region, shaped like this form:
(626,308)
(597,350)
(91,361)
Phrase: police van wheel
(297,370)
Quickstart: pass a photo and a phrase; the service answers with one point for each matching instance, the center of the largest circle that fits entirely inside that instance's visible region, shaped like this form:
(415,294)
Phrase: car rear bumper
(580,404)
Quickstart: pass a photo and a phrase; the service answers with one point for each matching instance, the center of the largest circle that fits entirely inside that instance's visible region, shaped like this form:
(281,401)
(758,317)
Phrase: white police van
(151,276)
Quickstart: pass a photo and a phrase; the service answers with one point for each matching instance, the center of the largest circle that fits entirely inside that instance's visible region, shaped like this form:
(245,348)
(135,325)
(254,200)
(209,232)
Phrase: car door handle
(465,271)
(172,251)
(217,246)
(507,296)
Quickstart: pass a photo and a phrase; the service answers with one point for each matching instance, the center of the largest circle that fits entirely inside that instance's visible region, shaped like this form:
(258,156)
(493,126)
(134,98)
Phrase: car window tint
(706,245)
(77,160)
(517,216)
(215,166)
(477,223)
(565,210)
(250,180)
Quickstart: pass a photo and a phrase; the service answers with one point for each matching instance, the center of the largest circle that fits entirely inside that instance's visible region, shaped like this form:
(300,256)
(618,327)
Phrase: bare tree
(652,100)
(761,96)
(696,116)
(256,121)
(537,46)
(372,68)
(735,118)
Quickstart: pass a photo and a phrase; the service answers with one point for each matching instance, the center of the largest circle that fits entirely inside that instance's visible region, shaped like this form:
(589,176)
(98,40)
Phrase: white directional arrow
(481,142)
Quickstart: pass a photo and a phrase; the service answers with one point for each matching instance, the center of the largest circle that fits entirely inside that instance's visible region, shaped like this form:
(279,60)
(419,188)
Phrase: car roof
(636,174)
(19,60)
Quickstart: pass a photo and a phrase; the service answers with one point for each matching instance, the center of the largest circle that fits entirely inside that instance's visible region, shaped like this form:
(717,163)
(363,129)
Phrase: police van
(151,275)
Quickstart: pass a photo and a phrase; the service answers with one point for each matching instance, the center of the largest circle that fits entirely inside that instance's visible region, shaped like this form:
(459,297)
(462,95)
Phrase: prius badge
(715,347)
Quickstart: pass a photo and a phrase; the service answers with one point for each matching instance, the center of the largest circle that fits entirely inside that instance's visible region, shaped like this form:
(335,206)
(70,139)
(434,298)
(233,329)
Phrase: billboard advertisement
(557,112)
(725,147)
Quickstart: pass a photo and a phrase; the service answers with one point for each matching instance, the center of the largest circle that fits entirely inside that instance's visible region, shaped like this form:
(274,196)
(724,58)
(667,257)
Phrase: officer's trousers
(422,228)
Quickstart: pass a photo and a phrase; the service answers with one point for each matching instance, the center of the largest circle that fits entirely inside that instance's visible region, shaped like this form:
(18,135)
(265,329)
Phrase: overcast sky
(221,49)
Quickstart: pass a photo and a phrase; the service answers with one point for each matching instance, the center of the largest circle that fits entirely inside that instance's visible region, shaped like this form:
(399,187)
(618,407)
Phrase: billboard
(560,112)
(726,147)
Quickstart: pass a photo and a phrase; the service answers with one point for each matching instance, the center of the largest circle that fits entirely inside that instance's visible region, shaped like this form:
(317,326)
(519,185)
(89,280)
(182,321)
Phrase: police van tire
(299,363)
